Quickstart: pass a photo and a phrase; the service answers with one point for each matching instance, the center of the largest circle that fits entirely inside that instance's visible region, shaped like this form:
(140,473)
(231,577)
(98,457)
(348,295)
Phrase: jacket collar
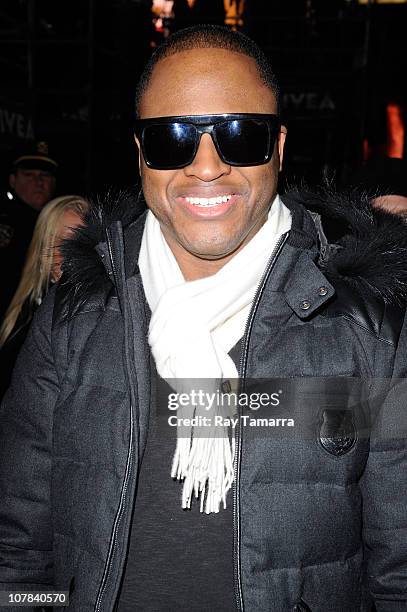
(307,288)
(133,235)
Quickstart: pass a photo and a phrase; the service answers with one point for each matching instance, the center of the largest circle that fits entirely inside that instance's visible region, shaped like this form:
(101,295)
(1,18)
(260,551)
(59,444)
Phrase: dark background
(69,70)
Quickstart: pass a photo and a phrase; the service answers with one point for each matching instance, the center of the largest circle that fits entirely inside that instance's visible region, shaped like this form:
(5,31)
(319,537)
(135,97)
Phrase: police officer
(32,182)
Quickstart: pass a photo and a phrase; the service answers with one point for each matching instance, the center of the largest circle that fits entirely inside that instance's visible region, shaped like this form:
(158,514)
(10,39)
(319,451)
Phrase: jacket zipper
(238,431)
(113,538)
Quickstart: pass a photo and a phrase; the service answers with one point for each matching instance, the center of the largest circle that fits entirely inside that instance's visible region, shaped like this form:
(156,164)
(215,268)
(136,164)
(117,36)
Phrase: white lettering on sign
(309,101)
(16,124)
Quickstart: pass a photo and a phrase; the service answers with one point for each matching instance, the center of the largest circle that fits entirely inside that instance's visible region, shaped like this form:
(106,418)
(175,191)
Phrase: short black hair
(203,37)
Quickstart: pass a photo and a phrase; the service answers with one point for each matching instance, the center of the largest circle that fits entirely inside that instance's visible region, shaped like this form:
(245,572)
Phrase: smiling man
(220,281)
(213,204)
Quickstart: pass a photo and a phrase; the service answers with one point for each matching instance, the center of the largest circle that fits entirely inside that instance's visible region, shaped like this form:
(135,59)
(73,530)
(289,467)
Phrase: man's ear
(136,140)
(12,180)
(280,143)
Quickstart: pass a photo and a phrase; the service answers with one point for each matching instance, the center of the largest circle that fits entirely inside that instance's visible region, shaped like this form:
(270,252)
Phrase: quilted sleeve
(26,418)
(384,489)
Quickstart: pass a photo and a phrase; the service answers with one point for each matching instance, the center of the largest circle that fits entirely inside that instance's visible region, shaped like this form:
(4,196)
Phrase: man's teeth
(208,201)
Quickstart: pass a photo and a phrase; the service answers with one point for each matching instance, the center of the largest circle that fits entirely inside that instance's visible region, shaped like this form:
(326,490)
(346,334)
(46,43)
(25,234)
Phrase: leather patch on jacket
(337,432)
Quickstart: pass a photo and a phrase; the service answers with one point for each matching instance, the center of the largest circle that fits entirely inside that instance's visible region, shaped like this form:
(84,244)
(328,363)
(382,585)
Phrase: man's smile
(208,201)
(204,207)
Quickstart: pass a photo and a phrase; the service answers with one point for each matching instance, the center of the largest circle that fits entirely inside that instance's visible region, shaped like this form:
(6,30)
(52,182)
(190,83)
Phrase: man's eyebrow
(31,170)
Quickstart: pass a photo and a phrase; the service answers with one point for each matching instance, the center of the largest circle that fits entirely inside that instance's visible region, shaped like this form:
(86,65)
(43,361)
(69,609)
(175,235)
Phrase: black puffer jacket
(320,519)
(11,348)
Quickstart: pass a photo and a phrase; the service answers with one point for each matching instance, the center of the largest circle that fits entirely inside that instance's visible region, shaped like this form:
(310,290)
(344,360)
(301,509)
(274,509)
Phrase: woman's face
(69,220)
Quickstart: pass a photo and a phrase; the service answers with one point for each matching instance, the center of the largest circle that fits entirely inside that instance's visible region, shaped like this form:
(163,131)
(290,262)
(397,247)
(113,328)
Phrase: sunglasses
(244,139)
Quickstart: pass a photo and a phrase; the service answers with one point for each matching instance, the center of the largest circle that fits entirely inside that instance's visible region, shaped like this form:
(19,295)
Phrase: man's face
(34,187)
(208,81)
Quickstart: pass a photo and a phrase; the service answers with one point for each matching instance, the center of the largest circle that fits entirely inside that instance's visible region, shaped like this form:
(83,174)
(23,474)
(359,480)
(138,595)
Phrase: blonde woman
(42,268)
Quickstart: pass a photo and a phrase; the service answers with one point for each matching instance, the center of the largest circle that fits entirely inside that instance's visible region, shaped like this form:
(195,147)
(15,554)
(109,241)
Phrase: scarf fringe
(206,465)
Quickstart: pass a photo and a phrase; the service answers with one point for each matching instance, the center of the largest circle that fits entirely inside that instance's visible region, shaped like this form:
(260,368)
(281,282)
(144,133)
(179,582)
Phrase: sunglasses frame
(206,124)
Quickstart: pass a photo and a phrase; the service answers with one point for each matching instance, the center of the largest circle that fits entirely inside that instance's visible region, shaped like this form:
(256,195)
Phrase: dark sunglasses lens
(243,141)
(169,145)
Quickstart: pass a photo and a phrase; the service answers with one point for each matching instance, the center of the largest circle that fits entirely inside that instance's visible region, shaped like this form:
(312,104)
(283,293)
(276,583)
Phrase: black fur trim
(372,253)
(84,274)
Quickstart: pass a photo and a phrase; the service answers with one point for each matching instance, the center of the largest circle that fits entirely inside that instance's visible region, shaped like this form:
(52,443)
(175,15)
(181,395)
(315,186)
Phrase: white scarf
(193,327)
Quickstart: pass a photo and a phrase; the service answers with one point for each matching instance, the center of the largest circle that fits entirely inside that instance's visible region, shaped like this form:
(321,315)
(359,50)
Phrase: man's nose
(207,165)
(40,179)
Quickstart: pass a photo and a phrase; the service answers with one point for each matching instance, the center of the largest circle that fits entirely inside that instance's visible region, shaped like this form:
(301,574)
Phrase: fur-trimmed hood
(370,255)
(371,251)
(84,273)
